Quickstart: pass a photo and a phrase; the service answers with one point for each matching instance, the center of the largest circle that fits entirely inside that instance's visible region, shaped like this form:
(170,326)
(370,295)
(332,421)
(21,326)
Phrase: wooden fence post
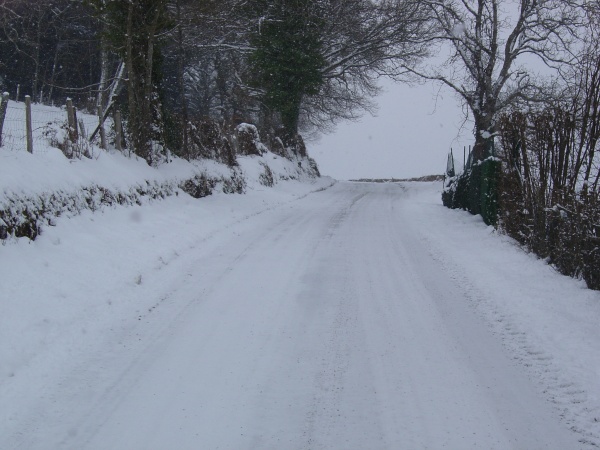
(72,121)
(118,131)
(101,125)
(3,106)
(75,122)
(28,126)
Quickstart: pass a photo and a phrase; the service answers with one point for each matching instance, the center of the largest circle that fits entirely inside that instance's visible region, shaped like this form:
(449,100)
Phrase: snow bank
(36,188)
(547,321)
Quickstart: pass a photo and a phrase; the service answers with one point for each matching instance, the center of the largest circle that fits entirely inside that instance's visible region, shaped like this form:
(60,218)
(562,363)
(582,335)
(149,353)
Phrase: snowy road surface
(324,323)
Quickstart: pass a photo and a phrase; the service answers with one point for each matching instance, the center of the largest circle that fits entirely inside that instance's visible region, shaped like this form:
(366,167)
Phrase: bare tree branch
(488,40)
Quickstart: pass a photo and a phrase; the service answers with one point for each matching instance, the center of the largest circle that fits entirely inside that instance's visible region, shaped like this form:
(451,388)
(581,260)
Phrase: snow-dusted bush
(475,190)
(206,140)
(247,140)
(25,216)
(204,184)
(550,192)
(266,178)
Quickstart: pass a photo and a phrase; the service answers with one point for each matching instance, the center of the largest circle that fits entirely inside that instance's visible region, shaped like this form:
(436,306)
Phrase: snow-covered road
(330,322)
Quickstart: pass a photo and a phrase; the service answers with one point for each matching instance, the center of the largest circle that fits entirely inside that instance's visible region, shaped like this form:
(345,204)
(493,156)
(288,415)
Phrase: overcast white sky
(411,136)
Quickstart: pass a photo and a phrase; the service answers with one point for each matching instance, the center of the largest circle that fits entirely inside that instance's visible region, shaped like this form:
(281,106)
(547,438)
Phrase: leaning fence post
(101,125)
(118,131)
(3,106)
(28,126)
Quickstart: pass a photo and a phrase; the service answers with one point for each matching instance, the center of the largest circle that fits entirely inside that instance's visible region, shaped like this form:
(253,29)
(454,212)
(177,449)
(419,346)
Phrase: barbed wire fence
(38,128)
(23,128)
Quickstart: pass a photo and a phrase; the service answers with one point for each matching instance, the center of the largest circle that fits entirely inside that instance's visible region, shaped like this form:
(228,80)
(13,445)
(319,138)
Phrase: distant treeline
(398,180)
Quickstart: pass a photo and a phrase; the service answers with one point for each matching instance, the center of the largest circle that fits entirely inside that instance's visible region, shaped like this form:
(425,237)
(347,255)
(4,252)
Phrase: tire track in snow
(317,326)
(569,398)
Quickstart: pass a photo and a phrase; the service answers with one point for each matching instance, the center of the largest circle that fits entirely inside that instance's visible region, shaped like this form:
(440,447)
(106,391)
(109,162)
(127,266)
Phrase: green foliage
(287,62)
(476,190)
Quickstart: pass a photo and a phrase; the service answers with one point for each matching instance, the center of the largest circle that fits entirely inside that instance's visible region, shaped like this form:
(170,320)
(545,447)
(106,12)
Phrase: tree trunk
(36,62)
(131,73)
(181,82)
(290,117)
(138,121)
(484,131)
(101,99)
(53,74)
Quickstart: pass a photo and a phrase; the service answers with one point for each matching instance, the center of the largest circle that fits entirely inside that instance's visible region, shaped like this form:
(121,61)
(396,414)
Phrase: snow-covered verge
(547,321)
(66,287)
(35,189)
(54,293)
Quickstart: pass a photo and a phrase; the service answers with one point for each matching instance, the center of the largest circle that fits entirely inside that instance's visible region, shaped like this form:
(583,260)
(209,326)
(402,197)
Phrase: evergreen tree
(287,62)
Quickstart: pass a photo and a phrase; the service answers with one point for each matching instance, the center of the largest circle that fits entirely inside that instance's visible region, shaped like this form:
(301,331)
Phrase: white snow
(307,315)
(485,134)
(548,322)
(458,30)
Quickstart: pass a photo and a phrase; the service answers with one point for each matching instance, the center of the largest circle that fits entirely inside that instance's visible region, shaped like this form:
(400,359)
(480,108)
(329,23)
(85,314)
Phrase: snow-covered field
(309,315)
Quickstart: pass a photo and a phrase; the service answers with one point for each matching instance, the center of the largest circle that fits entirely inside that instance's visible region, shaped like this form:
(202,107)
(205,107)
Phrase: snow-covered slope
(547,321)
(37,188)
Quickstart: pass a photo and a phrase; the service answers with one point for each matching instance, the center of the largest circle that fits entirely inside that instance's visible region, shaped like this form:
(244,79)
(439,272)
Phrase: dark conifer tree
(287,62)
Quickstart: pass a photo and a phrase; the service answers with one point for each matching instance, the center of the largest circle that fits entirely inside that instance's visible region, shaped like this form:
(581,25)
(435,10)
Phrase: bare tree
(585,79)
(488,40)
(134,29)
(363,41)
(47,47)
(25,26)
(209,45)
